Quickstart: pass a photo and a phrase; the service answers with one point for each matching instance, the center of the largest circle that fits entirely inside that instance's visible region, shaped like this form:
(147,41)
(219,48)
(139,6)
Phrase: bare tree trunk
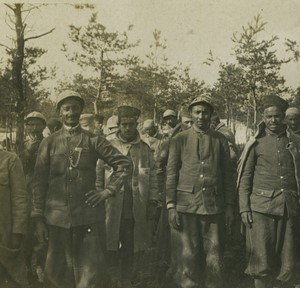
(99,92)
(17,64)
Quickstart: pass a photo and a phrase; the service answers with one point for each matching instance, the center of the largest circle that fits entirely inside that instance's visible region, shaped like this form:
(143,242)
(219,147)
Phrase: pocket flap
(186,188)
(264,193)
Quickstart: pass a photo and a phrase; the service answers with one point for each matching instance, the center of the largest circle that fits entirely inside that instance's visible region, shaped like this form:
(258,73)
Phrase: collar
(199,131)
(220,125)
(134,141)
(72,130)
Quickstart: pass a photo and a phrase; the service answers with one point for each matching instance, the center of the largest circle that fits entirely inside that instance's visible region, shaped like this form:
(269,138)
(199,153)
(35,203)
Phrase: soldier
(268,181)
(35,123)
(112,127)
(98,124)
(14,215)
(151,136)
(53,124)
(67,207)
(292,119)
(130,214)
(87,122)
(200,195)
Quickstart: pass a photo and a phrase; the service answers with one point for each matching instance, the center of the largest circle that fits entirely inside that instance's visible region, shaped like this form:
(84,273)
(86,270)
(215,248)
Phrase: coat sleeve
(19,197)
(120,164)
(227,173)
(173,167)
(246,181)
(40,179)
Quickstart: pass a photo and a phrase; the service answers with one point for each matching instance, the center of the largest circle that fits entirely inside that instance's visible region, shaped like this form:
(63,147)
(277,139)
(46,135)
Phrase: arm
(19,197)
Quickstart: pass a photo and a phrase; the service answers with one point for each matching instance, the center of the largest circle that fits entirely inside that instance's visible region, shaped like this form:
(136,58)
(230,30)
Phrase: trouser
(270,247)
(75,258)
(198,244)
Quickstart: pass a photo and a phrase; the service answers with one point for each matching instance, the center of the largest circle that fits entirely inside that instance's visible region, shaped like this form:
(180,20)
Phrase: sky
(191,27)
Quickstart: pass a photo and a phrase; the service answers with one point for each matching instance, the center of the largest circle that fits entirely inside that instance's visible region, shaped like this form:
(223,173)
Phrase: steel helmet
(37,115)
(68,94)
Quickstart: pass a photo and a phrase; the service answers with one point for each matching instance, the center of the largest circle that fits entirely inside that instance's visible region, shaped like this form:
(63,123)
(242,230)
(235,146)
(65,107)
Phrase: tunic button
(281,190)
(203,189)
(202,162)
(281,177)
(278,151)
(262,193)
(279,164)
(201,176)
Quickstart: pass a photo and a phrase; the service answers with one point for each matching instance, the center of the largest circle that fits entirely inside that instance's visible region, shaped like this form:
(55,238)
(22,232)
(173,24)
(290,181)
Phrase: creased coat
(14,214)
(144,190)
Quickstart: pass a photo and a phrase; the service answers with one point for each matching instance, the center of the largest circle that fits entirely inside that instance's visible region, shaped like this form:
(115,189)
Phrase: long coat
(14,214)
(144,190)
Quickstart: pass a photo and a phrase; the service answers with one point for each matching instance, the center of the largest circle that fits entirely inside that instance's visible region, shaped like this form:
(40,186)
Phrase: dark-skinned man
(268,182)
(67,207)
(200,195)
(130,214)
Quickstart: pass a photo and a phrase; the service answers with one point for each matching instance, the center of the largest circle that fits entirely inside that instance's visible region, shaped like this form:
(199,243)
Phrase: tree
(259,63)
(101,52)
(17,63)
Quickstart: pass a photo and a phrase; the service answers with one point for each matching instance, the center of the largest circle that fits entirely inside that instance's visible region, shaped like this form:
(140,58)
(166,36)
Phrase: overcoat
(14,214)
(144,190)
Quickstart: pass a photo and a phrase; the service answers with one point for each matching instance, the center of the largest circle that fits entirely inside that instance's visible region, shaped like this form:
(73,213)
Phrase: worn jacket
(143,183)
(14,213)
(59,189)
(195,180)
(270,200)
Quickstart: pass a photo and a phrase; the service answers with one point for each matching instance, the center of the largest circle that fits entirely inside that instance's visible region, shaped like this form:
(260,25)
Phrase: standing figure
(35,123)
(292,119)
(130,214)
(67,207)
(199,196)
(268,183)
(14,215)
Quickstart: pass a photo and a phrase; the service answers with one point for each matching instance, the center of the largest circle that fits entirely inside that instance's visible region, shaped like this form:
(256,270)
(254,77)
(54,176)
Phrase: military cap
(292,111)
(68,94)
(203,99)
(148,123)
(112,122)
(168,113)
(128,111)
(36,115)
(274,100)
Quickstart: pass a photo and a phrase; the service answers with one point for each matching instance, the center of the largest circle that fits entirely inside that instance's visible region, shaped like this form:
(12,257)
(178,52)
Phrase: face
(273,118)
(35,127)
(201,116)
(171,121)
(188,122)
(127,128)
(293,121)
(150,131)
(70,111)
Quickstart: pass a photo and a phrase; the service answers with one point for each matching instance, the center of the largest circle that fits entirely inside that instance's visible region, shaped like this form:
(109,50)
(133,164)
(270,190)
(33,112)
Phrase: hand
(15,241)
(229,216)
(95,197)
(247,219)
(174,220)
(41,231)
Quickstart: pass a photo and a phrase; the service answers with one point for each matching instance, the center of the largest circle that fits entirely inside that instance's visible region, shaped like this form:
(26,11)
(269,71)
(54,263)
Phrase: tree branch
(10,7)
(39,36)
(5,47)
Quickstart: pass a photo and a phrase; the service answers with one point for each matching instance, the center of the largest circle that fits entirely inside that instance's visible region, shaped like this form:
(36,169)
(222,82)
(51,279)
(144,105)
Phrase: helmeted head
(170,118)
(53,124)
(274,112)
(87,122)
(35,123)
(69,104)
(112,124)
(201,109)
(127,121)
(292,118)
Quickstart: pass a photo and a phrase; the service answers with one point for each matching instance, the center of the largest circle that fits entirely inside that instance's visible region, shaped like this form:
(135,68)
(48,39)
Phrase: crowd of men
(92,200)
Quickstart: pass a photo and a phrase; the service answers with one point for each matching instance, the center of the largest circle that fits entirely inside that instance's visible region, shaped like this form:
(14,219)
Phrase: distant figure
(112,127)
(292,119)
(217,125)
(14,215)
(98,124)
(170,118)
(54,124)
(151,136)
(87,122)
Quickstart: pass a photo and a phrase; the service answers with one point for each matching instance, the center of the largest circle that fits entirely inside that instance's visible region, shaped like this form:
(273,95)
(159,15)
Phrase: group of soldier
(93,200)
